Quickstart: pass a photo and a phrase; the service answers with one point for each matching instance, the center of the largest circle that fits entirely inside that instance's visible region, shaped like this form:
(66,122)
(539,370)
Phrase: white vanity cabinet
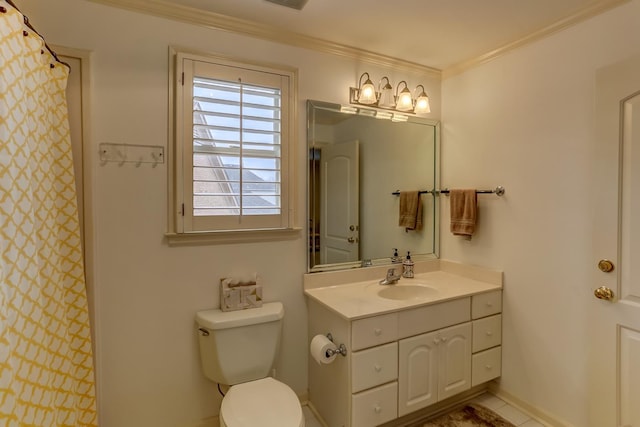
(433,366)
(406,360)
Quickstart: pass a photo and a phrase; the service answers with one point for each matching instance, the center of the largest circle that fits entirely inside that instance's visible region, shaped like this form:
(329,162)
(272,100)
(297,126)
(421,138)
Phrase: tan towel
(464,211)
(410,210)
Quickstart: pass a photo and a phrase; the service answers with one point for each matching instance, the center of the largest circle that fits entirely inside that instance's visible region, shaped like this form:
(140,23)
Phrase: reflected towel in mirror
(410,210)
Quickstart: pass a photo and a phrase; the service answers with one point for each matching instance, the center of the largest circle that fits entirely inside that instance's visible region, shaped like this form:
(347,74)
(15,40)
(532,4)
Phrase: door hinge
(182,209)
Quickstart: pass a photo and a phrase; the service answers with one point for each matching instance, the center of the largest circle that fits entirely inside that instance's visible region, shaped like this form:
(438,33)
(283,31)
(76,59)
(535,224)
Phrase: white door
(339,200)
(614,310)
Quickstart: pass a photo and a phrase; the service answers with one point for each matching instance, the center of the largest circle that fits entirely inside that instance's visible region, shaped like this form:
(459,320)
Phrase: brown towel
(464,211)
(410,210)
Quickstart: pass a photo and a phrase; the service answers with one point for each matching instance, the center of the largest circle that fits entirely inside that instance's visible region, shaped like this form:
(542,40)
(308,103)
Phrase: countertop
(362,299)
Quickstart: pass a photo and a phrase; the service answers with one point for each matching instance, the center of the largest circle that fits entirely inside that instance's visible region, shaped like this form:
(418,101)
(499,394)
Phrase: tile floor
(490,401)
(507,411)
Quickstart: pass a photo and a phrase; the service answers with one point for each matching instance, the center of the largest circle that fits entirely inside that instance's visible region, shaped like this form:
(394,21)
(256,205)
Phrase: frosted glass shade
(404,102)
(367,94)
(422,105)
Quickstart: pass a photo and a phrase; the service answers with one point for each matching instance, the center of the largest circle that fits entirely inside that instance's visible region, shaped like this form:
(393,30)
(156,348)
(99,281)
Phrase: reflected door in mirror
(339,189)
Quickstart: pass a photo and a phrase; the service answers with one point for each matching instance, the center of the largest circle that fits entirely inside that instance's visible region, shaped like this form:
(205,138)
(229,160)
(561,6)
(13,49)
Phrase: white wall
(146,292)
(525,121)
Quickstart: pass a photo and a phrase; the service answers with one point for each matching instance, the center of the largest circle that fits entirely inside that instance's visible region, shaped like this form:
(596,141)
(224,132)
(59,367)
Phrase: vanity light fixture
(404,100)
(422,102)
(367,92)
(385,98)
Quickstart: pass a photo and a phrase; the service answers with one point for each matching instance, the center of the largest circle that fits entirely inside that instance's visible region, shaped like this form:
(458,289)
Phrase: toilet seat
(265,402)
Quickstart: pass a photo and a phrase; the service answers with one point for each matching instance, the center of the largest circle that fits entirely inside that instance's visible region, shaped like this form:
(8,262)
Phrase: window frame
(209,229)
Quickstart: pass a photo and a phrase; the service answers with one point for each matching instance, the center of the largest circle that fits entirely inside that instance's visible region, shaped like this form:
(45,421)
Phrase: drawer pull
(377,409)
(377,331)
(378,368)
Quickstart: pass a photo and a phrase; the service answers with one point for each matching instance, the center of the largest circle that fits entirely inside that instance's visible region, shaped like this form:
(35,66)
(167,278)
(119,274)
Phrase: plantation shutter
(235,135)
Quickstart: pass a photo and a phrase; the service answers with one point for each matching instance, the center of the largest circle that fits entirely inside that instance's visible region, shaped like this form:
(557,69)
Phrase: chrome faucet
(392,278)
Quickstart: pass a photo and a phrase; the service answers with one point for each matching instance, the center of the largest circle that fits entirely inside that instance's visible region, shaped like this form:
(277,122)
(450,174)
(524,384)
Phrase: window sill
(236,236)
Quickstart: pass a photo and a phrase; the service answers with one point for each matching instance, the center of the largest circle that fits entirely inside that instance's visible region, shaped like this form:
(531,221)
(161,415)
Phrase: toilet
(238,349)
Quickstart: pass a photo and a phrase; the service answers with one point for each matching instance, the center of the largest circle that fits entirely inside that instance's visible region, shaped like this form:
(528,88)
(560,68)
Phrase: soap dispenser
(407,266)
(395,258)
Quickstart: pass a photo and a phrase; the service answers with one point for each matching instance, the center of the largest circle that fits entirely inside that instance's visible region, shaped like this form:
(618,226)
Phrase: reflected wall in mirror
(356,162)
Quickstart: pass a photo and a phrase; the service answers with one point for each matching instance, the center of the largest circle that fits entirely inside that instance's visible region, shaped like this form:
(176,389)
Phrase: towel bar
(498,191)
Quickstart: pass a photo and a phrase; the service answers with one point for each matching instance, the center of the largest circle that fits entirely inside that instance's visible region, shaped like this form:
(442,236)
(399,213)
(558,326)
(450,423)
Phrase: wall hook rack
(131,153)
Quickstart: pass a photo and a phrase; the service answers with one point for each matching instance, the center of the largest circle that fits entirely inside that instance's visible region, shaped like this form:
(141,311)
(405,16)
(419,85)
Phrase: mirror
(359,157)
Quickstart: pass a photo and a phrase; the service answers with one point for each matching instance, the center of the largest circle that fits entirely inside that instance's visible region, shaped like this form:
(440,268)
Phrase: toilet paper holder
(342,349)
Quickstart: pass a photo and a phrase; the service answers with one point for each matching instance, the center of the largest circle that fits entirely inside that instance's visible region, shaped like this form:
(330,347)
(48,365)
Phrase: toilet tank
(239,346)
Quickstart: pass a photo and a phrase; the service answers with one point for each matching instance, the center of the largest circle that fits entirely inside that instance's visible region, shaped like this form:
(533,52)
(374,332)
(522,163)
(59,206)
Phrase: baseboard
(538,414)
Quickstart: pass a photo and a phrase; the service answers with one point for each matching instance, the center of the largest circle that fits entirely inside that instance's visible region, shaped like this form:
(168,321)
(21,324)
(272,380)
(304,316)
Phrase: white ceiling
(434,33)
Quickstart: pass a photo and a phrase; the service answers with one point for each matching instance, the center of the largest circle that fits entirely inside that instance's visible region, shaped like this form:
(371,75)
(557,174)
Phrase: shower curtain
(46,363)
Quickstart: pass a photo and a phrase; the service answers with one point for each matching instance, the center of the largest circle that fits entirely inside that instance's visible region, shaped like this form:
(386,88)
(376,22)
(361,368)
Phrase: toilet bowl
(265,403)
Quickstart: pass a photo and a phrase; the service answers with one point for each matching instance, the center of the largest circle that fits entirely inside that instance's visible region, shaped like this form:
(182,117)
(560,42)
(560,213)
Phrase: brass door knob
(603,293)
(605,266)
(351,240)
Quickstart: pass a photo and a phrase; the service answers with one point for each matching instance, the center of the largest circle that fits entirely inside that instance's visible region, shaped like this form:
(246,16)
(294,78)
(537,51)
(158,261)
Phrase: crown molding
(167,9)
(580,16)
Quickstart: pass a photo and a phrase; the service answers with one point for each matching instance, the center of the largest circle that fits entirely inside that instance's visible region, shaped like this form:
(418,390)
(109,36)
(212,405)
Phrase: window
(233,147)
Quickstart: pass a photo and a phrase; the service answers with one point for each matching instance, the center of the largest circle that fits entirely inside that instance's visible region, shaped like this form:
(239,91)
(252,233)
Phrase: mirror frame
(370,112)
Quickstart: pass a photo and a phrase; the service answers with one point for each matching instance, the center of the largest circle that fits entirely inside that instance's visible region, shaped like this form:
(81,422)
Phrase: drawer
(487,332)
(374,407)
(483,305)
(374,331)
(486,366)
(375,366)
(429,318)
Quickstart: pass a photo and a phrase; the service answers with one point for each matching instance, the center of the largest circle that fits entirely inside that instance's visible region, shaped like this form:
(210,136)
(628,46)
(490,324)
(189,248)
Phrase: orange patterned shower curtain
(46,363)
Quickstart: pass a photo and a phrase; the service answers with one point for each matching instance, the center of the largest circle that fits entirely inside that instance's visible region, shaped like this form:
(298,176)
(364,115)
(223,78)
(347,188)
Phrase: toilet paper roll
(318,348)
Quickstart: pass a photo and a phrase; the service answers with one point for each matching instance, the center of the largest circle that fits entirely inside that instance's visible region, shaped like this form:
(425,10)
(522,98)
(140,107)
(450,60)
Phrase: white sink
(404,292)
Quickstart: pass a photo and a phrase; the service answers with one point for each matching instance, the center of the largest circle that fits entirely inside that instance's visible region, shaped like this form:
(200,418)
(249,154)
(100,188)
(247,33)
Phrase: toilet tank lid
(217,319)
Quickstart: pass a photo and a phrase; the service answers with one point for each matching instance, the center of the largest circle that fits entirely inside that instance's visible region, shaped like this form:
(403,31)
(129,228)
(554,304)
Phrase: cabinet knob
(488,367)
(377,409)
(436,340)
(377,331)
(444,339)
(489,304)
(377,368)
(489,333)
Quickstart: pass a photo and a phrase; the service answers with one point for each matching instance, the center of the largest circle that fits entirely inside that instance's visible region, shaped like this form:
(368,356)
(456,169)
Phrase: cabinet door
(454,355)
(418,372)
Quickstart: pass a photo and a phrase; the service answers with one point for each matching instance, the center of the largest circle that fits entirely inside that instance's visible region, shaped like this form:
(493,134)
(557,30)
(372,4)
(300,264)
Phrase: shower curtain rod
(28,24)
